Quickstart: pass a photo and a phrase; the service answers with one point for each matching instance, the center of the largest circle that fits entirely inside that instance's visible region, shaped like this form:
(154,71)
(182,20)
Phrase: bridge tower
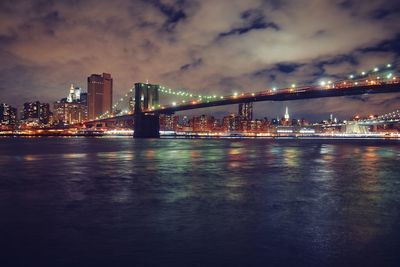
(147,124)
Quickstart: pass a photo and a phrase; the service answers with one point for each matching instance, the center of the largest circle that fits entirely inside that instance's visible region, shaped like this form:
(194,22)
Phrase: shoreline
(194,136)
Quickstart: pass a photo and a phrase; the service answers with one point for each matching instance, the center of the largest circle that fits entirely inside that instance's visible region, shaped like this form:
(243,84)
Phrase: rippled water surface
(169,202)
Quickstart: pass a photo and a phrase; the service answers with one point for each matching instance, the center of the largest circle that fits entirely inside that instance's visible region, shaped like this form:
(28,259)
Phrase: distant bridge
(148,108)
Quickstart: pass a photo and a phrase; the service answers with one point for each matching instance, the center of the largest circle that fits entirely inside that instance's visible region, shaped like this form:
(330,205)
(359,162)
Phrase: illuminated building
(286,116)
(31,111)
(8,115)
(203,123)
(72,109)
(74,94)
(69,113)
(131,105)
(44,113)
(246,111)
(231,123)
(36,113)
(100,91)
(168,122)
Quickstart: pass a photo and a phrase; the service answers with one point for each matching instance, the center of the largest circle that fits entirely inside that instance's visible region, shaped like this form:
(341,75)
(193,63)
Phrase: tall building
(44,113)
(72,109)
(36,113)
(100,92)
(8,115)
(287,114)
(246,111)
(31,110)
(231,123)
(203,123)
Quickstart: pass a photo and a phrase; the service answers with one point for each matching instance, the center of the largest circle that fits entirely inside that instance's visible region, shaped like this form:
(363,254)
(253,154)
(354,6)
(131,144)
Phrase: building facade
(246,111)
(100,93)
(72,109)
(8,116)
(36,113)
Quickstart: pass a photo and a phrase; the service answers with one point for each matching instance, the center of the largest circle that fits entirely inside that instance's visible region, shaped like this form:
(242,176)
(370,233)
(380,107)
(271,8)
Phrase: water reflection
(242,202)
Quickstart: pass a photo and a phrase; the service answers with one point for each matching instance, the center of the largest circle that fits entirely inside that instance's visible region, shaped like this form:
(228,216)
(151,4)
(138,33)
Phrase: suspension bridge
(142,103)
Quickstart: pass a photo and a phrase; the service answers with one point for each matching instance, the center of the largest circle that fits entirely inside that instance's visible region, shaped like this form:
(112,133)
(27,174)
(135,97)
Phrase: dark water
(125,202)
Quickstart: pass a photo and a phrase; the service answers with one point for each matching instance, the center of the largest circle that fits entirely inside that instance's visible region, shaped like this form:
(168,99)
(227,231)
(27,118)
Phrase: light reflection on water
(201,202)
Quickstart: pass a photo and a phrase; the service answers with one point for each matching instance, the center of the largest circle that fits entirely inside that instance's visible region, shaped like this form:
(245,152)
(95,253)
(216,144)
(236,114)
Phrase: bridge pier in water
(147,125)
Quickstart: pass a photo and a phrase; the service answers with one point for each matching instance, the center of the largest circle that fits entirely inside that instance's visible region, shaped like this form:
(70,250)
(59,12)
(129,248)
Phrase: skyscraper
(100,88)
(44,113)
(72,109)
(287,114)
(8,115)
(31,110)
(74,94)
(246,111)
(36,113)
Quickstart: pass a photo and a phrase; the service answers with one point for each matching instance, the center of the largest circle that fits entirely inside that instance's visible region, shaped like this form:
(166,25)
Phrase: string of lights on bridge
(371,77)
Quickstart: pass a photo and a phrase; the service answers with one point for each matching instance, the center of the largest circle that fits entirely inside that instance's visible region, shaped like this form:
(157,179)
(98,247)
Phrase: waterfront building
(168,122)
(232,123)
(131,105)
(287,116)
(100,93)
(44,113)
(246,111)
(72,109)
(8,116)
(203,123)
(36,113)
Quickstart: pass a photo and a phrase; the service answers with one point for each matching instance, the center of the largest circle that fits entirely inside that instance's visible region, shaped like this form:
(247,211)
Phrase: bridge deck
(284,95)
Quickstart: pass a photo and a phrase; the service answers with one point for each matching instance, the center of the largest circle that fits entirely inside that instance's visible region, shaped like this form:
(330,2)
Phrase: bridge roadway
(269,95)
(283,95)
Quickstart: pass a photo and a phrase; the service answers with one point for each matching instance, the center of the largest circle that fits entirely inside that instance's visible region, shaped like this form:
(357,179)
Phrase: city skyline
(194,45)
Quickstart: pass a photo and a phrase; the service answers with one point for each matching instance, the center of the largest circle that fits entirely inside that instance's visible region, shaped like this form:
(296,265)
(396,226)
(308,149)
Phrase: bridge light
(121,99)
(274,89)
(323,83)
(351,76)
(215,96)
(191,95)
(376,69)
(253,94)
(389,65)
(293,85)
(174,104)
(389,75)
(356,83)
(329,82)
(363,73)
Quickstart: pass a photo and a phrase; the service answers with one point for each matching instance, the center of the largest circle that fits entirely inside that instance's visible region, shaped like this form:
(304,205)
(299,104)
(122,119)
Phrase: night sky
(207,46)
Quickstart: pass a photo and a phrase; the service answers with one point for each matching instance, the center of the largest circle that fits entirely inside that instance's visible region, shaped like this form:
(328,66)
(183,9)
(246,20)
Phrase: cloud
(205,46)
